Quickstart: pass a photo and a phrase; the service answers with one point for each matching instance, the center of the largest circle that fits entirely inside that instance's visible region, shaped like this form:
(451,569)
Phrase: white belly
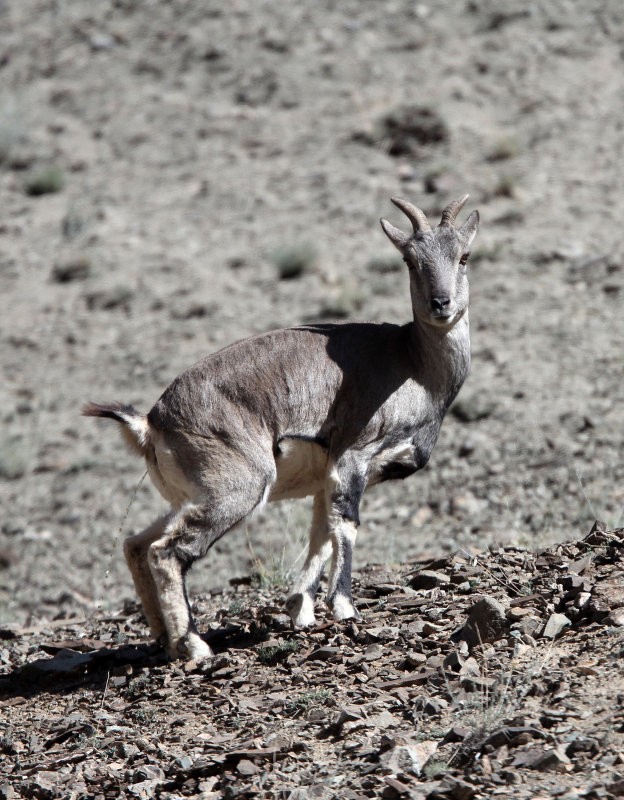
(301,470)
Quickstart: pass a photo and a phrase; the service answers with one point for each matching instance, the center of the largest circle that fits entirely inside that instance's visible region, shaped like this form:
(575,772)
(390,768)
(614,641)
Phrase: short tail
(136,427)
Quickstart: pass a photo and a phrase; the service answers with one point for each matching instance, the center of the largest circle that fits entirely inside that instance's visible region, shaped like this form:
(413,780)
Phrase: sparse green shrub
(385,264)
(75,269)
(491,252)
(73,223)
(402,130)
(235,608)
(347,300)
(271,654)
(143,714)
(435,769)
(271,573)
(44,181)
(504,148)
(13,459)
(116,297)
(505,186)
(292,261)
(307,699)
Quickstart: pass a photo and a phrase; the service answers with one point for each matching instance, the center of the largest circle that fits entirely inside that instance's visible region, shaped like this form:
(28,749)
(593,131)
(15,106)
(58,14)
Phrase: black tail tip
(92,410)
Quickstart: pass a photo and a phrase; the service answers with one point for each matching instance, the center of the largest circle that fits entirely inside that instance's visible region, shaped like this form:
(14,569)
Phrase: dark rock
(512,736)
(324,654)
(551,760)
(457,734)
(457,789)
(486,622)
(616,787)
(427,579)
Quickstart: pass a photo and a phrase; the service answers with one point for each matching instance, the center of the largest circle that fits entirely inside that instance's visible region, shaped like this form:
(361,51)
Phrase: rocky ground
(470,677)
(175,176)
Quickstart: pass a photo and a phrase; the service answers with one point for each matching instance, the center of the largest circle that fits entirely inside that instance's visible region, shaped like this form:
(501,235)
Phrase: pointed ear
(469,228)
(399,239)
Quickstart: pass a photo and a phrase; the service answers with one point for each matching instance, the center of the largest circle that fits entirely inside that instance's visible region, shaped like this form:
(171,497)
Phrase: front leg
(300,604)
(345,488)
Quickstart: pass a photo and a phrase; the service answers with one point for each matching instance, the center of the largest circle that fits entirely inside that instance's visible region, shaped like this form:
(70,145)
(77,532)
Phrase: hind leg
(135,550)
(300,604)
(189,535)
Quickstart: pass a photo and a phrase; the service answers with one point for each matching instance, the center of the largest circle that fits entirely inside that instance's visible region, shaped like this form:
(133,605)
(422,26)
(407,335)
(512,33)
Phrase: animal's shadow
(69,669)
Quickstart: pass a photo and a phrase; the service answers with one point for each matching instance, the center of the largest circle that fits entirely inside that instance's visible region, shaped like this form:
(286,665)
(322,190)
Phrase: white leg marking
(343,533)
(300,604)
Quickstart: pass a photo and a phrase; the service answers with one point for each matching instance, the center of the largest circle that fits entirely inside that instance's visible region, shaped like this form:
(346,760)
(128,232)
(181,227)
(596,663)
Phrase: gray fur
(327,410)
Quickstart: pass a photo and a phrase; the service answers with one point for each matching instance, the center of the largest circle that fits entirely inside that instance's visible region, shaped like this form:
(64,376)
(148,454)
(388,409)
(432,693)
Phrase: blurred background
(175,176)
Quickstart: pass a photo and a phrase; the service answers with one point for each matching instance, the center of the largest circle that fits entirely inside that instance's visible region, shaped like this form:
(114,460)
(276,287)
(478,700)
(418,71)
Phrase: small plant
(11,130)
(492,252)
(235,608)
(271,654)
(299,705)
(137,687)
(294,260)
(13,459)
(119,296)
(505,186)
(73,223)
(345,302)
(270,576)
(402,130)
(143,715)
(271,573)
(44,181)
(75,269)
(504,148)
(435,769)
(385,264)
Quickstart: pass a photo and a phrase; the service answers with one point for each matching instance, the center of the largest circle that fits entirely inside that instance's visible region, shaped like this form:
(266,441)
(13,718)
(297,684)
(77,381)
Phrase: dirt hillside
(175,176)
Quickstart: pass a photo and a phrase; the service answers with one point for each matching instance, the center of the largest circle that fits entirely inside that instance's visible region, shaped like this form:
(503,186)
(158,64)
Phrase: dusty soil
(163,165)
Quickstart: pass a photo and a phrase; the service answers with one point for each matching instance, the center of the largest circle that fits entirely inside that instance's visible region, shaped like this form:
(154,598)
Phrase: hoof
(300,608)
(343,609)
(191,647)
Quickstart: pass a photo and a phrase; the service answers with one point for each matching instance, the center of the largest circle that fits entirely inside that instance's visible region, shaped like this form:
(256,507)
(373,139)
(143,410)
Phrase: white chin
(442,322)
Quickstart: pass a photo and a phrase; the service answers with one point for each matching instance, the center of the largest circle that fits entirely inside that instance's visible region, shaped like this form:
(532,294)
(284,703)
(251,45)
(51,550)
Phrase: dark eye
(463,259)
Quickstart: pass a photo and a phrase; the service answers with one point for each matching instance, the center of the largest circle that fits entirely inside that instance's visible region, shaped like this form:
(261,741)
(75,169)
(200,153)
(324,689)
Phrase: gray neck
(442,356)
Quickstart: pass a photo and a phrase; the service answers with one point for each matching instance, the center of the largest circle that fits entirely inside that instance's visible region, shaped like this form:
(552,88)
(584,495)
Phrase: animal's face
(437,260)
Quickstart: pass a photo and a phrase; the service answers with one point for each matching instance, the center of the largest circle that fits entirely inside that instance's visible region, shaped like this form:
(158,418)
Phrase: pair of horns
(418,218)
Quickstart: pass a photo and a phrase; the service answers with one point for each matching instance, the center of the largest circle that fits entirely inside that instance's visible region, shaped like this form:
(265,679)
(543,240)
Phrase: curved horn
(415,215)
(452,210)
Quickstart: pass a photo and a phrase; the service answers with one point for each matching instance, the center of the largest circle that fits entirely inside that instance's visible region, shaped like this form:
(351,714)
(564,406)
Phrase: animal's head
(436,258)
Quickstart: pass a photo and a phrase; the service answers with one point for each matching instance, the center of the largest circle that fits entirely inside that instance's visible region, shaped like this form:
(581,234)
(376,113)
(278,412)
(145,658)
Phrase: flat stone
(555,624)
(407,757)
(246,767)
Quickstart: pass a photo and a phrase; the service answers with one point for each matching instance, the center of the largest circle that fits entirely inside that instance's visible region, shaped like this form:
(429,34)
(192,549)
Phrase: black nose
(440,302)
